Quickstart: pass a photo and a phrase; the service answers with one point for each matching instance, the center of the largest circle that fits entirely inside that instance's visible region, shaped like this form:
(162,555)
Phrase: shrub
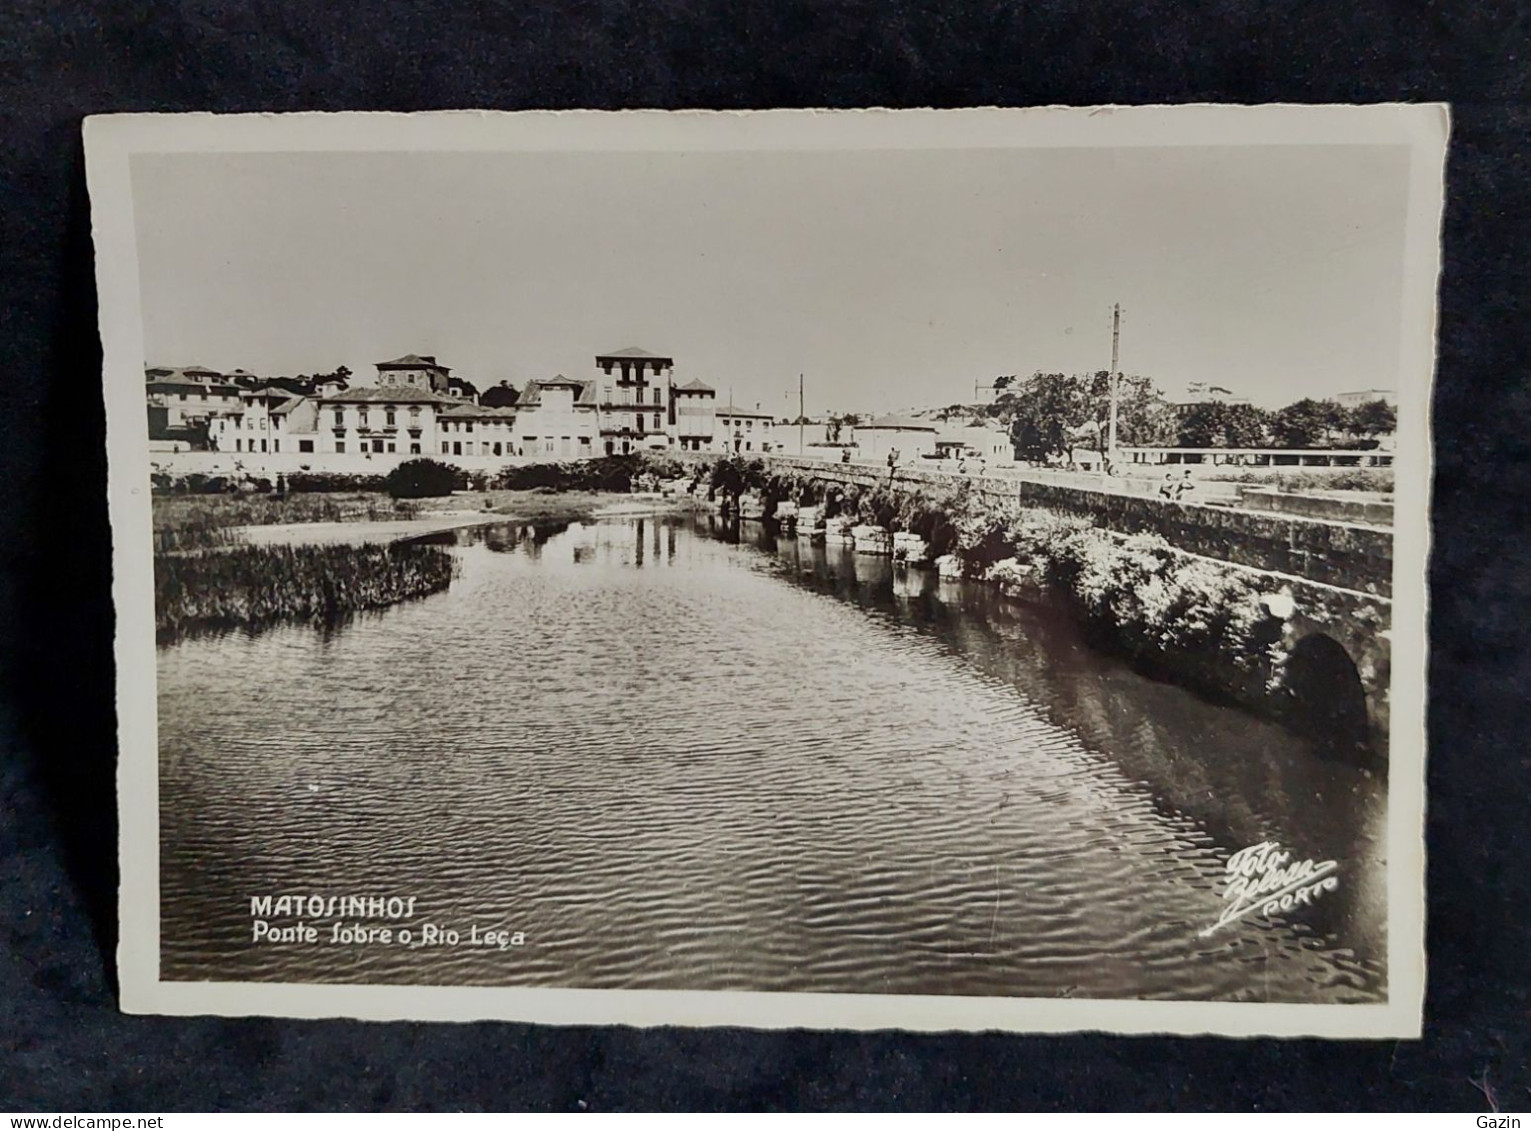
(323,482)
(422,479)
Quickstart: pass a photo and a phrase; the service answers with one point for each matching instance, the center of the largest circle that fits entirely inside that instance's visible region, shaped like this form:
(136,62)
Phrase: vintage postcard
(909,569)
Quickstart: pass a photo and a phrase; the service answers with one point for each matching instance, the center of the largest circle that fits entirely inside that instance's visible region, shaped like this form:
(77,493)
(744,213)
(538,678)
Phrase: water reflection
(693,753)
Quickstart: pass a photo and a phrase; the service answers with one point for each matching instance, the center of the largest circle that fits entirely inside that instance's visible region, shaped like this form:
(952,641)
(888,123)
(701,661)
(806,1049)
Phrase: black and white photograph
(874,569)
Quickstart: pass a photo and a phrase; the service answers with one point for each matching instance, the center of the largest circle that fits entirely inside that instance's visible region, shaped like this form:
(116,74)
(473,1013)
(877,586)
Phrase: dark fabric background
(62,1043)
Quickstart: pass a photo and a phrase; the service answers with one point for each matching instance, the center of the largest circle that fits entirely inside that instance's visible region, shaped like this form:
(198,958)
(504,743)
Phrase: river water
(674,753)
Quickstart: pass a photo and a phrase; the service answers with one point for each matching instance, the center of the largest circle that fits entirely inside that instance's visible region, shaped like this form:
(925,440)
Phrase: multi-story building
(741,430)
(693,415)
(188,407)
(476,430)
(558,417)
(413,371)
(633,399)
(399,419)
(270,420)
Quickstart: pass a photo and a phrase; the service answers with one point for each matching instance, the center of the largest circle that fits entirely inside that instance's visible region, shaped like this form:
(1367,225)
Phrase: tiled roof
(188,383)
(476,412)
(196,373)
(735,410)
(633,351)
(694,386)
(413,361)
(401,394)
(902,423)
(531,396)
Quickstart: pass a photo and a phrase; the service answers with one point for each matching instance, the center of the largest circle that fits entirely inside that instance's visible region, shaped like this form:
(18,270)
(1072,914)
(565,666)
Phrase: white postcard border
(112,140)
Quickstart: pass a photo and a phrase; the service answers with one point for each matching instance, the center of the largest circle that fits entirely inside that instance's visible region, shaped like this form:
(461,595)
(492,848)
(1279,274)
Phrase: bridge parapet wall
(1334,553)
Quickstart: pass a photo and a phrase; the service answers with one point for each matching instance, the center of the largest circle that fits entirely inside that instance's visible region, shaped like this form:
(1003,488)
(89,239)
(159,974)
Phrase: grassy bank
(190,522)
(1376,479)
(253,587)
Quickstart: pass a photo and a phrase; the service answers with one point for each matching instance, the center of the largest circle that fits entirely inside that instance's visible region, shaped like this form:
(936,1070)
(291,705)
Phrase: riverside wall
(1346,555)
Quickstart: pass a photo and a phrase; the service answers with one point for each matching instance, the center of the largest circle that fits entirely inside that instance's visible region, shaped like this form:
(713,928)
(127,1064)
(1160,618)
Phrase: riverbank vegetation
(1301,480)
(188,522)
(1138,596)
(253,587)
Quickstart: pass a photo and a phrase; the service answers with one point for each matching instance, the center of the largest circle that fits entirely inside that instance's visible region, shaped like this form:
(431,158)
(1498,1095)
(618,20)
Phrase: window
(656,422)
(388,416)
(340,447)
(444,447)
(263,445)
(340,418)
(467,426)
(238,444)
(496,447)
(414,414)
(392,447)
(457,447)
(362,417)
(414,449)
(276,445)
(657,393)
(305,445)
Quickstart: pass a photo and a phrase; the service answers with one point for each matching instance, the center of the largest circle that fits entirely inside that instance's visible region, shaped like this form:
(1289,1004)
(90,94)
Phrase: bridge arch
(1328,700)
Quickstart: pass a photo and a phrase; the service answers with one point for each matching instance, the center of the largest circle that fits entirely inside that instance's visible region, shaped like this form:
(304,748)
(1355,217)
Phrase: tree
(1307,423)
(503,395)
(1042,414)
(1217,424)
(1374,418)
(1142,417)
(421,478)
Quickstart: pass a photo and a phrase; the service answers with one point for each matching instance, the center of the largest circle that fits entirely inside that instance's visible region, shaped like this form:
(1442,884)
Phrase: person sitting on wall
(1169,488)
(845,455)
(1185,486)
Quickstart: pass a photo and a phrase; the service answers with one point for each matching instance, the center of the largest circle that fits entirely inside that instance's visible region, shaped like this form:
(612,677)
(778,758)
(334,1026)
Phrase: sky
(888,279)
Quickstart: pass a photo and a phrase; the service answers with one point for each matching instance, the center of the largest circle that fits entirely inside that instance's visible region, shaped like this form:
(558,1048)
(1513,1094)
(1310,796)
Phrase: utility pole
(802,449)
(1116,334)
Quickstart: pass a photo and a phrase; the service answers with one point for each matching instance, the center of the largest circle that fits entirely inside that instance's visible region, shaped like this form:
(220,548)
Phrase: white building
(476,430)
(633,401)
(907,435)
(187,400)
(1366,396)
(381,420)
(557,417)
(743,430)
(696,418)
(988,442)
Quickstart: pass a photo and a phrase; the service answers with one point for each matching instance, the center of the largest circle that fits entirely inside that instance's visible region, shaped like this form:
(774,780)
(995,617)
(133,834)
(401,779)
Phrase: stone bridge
(1330,581)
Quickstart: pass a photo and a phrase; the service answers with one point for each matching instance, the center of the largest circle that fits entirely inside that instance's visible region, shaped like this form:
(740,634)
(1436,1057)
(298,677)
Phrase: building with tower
(634,400)
(413,371)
